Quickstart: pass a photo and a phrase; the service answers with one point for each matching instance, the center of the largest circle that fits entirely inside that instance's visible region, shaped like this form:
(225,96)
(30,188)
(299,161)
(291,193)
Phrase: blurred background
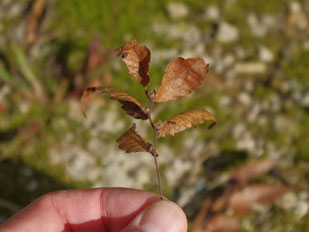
(249,173)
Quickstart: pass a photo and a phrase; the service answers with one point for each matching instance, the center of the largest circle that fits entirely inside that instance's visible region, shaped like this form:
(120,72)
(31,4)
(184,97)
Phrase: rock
(225,100)
(177,10)
(250,68)
(258,29)
(238,130)
(288,201)
(254,112)
(163,55)
(227,33)
(296,18)
(304,101)
(212,13)
(245,99)
(246,143)
(301,209)
(228,60)
(249,86)
(15,10)
(265,54)
(240,53)
(283,124)
(191,35)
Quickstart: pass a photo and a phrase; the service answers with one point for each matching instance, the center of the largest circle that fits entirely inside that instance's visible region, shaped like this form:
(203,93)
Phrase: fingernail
(160,216)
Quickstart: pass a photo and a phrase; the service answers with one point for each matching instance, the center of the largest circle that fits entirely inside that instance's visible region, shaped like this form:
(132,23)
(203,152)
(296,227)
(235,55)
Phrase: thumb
(160,216)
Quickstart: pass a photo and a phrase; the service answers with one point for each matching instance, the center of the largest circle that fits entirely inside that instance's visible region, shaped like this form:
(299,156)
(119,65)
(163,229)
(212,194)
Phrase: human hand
(102,209)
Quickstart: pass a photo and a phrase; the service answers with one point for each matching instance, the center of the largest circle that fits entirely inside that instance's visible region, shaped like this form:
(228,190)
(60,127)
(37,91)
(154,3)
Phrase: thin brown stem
(156,164)
(154,154)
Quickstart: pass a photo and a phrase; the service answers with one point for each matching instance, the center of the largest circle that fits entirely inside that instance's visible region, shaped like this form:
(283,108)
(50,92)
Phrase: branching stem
(154,153)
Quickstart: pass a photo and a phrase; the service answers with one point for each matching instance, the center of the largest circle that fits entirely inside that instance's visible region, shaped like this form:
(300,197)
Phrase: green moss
(297,66)
(114,19)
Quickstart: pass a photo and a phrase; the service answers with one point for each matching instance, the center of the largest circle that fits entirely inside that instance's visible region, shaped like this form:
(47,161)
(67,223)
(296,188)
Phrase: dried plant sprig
(182,76)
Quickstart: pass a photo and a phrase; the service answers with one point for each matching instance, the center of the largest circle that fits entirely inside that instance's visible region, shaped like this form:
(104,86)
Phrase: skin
(102,209)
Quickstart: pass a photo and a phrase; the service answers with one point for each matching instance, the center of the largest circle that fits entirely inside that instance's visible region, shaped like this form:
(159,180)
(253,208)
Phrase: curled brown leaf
(137,59)
(223,223)
(133,142)
(252,170)
(129,103)
(181,78)
(184,121)
(242,201)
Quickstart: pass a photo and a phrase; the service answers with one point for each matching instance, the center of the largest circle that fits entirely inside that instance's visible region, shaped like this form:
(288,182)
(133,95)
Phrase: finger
(104,209)
(160,216)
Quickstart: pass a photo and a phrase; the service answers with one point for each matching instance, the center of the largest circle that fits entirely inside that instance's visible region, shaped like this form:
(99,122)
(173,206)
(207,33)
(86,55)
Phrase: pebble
(254,112)
(212,13)
(265,54)
(304,101)
(258,29)
(296,17)
(301,209)
(162,55)
(246,143)
(238,130)
(240,53)
(227,33)
(177,10)
(245,99)
(250,68)
(228,60)
(191,36)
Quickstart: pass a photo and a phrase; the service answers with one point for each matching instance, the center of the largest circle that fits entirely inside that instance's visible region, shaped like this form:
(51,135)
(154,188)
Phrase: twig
(154,154)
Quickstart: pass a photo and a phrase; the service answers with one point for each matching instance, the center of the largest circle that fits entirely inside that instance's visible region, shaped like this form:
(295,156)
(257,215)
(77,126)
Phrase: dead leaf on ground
(129,103)
(184,121)
(181,78)
(242,201)
(252,170)
(137,59)
(94,56)
(132,142)
(223,223)
(36,12)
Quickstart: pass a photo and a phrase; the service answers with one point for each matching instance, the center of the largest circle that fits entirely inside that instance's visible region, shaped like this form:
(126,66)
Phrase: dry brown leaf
(242,201)
(223,223)
(132,142)
(36,12)
(252,170)
(184,121)
(129,103)
(137,58)
(181,78)
(94,56)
